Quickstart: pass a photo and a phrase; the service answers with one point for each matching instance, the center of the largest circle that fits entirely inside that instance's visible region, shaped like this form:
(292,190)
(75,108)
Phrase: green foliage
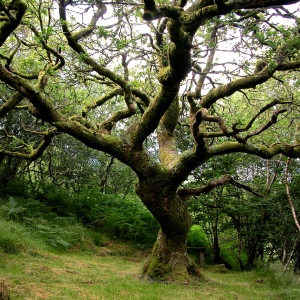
(98,239)
(14,209)
(228,253)
(51,209)
(31,227)
(119,217)
(57,236)
(197,237)
(19,188)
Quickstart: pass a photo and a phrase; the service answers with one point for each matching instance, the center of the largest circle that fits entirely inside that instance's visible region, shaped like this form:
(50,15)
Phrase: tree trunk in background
(239,249)
(216,247)
(297,258)
(253,251)
(106,176)
(9,169)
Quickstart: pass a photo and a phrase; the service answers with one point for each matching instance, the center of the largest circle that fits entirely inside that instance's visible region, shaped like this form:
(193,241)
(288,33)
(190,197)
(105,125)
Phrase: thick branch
(10,104)
(26,90)
(178,63)
(258,3)
(198,13)
(260,150)
(187,193)
(44,110)
(197,128)
(233,86)
(152,115)
(215,119)
(152,12)
(7,27)
(141,95)
(101,10)
(108,124)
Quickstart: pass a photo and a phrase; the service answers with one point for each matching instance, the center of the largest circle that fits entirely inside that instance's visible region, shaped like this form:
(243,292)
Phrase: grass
(91,268)
(82,275)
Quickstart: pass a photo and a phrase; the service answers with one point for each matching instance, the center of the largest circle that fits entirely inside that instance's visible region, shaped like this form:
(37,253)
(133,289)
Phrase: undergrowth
(285,282)
(116,216)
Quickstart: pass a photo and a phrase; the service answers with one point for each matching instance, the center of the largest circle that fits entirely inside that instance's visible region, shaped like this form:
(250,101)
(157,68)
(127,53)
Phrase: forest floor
(107,274)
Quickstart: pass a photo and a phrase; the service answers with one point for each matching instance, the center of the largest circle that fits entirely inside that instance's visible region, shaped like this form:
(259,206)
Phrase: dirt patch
(3,291)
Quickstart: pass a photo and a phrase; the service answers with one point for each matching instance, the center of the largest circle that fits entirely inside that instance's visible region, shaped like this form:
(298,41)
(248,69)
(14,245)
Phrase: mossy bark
(169,260)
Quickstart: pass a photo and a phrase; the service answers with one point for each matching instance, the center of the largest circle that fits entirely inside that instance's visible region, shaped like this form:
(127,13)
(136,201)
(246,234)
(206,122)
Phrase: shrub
(18,188)
(228,254)
(197,237)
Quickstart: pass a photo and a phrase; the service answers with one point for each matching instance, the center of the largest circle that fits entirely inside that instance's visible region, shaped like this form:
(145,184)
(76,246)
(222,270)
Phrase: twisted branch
(187,193)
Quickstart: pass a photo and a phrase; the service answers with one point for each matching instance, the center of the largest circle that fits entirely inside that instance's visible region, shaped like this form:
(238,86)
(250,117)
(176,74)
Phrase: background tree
(264,227)
(64,62)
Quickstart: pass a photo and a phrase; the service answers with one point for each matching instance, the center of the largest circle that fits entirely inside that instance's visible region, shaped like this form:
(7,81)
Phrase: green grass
(82,275)
(89,266)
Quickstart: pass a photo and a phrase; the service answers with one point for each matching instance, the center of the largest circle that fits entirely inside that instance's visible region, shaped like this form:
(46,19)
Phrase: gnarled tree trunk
(169,260)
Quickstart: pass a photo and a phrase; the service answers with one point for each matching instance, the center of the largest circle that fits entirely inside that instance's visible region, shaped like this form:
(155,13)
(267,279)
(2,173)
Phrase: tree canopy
(161,86)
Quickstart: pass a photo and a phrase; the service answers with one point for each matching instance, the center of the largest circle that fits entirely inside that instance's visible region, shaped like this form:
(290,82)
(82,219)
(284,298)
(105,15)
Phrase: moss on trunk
(170,262)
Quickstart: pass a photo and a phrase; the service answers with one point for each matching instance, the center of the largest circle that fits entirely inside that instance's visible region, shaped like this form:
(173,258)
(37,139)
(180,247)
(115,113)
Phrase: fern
(56,241)
(13,209)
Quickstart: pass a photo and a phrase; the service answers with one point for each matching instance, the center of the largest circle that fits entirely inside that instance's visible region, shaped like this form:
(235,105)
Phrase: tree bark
(254,245)
(291,203)
(169,260)
(239,249)
(216,247)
